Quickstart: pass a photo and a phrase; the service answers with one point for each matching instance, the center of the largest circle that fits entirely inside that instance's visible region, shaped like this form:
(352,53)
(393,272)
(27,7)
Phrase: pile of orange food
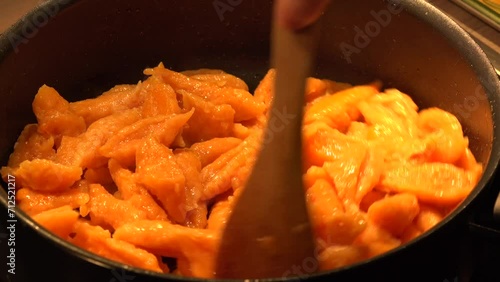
(150,171)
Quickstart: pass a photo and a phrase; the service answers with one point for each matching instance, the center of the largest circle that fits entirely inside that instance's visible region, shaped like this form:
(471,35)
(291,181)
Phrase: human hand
(297,14)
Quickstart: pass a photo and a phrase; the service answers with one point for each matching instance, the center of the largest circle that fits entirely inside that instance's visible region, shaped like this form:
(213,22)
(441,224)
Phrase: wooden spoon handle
(268,233)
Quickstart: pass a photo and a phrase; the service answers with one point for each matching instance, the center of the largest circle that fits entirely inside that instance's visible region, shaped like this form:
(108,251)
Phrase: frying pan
(85,47)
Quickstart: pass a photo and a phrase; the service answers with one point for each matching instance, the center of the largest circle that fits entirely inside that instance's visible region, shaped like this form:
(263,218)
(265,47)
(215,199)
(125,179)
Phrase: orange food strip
(220,213)
(33,202)
(370,198)
(240,131)
(31,145)
(338,256)
(410,233)
(339,109)
(99,175)
(209,151)
(190,165)
(313,174)
(98,241)
(315,88)
(370,173)
(84,150)
(54,115)
(218,175)
(330,222)
(345,175)
(116,100)
(358,130)
(159,99)
(468,162)
(106,210)
(376,240)
(161,174)
(437,183)
(428,218)
(46,176)
(136,194)
(124,144)
(324,144)
(393,110)
(59,221)
(239,179)
(333,87)
(445,135)
(245,106)
(394,213)
(197,217)
(208,121)
(265,90)
(198,246)
(217,77)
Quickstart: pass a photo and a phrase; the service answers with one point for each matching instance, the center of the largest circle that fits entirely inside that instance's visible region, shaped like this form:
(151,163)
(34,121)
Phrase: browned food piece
(217,77)
(376,240)
(316,88)
(32,202)
(46,176)
(370,198)
(217,176)
(435,183)
(196,209)
(59,221)
(428,217)
(117,99)
(220,213)
(124,144)
(265,90)
(395,213)
(99,175)
(197,217)
(313,174)
(83,150)
(245,105)
(159,98)
(98,241)
(131,191)
(340,109)
(239,99)
(55,118)
(158,170)
(324,144)
(106,210)
(209,151)
(198,246)
(208,121)
(410,233)
(370,173)
(443,135)
(31,145)
(335,257)
(330,222)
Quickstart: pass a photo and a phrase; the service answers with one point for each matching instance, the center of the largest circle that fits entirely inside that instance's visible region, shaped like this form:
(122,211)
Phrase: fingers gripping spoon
(268,233)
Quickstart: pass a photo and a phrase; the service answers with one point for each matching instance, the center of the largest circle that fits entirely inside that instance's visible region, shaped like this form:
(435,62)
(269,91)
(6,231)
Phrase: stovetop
(482,243)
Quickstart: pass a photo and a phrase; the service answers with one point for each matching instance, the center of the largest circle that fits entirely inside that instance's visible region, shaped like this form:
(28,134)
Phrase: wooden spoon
(268,233)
